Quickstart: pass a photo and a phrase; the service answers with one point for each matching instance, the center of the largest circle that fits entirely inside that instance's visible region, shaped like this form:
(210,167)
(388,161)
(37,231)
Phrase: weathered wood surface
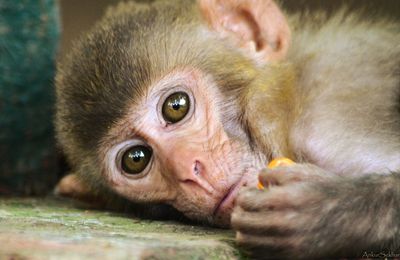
(55,229)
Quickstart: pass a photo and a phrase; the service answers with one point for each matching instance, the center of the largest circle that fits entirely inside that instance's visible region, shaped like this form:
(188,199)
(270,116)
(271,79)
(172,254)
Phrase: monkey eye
(136,159)
(176,107)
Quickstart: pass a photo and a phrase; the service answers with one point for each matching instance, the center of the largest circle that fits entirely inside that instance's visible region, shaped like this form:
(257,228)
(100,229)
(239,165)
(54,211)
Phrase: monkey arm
(319,217)
(73,187)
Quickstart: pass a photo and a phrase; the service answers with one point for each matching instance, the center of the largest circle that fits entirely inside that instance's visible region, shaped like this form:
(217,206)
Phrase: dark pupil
(176,105)
(135,160)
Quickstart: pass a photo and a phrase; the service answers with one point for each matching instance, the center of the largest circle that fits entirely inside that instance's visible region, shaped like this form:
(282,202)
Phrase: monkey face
(172,147)
(157,109)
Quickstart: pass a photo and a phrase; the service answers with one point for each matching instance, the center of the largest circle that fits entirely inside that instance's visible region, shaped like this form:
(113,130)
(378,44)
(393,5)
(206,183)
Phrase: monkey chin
(223,210)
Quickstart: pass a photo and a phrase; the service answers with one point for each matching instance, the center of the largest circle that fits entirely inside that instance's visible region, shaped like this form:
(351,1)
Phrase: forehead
(114,65)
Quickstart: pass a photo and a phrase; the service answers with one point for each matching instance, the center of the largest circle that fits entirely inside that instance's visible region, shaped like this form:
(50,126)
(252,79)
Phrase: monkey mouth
(227,201)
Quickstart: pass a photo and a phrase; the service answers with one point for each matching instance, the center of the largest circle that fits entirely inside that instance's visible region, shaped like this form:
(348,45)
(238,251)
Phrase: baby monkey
(184,103)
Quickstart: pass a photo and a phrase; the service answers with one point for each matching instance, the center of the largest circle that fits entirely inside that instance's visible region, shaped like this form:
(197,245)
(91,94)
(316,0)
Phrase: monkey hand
(298,214)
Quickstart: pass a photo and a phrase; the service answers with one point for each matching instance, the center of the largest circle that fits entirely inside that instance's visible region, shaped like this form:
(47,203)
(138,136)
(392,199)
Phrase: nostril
(197,168)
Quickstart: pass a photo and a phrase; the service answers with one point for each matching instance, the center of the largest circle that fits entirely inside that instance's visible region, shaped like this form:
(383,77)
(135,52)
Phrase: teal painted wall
(29,36)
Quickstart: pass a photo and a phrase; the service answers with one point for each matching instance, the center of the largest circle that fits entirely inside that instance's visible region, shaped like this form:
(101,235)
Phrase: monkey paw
(285,175)
(288,218)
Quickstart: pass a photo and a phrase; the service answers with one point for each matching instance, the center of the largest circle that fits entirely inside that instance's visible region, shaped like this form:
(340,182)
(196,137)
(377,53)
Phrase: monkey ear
(258,27)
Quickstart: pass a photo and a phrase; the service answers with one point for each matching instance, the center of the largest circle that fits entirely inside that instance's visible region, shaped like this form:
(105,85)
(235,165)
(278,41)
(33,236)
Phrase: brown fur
(331,104)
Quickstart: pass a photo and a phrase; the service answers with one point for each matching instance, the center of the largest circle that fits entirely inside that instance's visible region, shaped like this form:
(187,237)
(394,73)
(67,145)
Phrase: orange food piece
(280,162)
(276,163)
(260,186)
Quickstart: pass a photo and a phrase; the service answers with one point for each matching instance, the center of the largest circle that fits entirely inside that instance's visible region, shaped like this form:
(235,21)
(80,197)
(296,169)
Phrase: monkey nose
(196,175)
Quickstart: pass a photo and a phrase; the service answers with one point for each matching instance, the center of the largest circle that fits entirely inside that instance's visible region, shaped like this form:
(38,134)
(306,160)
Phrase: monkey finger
(275,198)
(251,197)
(261,201)
(293,173)
(271,223)
(274,177)
(267,246)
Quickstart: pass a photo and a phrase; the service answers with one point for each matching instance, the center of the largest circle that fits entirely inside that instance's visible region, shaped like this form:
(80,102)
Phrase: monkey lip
(227,200)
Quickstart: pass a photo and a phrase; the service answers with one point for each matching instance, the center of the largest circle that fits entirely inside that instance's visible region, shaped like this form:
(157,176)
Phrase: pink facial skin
(195,166)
